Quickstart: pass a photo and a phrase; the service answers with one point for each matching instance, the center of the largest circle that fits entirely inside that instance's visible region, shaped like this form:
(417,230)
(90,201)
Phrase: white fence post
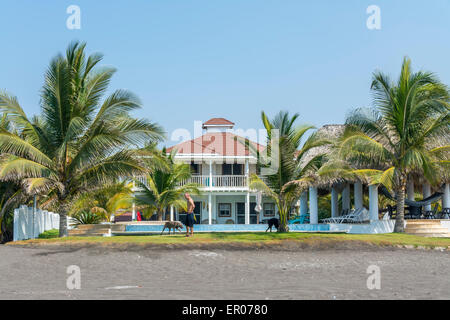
(29,223)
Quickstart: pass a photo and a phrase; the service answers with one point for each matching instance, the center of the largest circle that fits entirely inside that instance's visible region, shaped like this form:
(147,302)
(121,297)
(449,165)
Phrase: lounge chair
(357,216)
(360,216)
(337,219)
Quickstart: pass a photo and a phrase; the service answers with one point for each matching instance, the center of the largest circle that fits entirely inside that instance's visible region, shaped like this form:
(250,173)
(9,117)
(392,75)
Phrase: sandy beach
(41,273)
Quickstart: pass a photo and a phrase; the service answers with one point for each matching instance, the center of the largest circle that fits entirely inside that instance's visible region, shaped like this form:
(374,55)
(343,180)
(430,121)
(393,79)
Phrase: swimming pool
(135,228)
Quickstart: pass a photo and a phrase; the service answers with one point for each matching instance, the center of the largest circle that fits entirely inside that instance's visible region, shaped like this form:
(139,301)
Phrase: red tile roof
(220,143)
(218,121)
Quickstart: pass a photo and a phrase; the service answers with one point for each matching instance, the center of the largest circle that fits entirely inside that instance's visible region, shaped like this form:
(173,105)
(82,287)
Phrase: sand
(143,273)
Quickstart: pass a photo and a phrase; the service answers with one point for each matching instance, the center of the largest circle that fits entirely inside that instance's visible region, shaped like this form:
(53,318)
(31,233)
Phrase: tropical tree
(292,160)
(80,140)
(164,186)
(106,201)
(403,133)
(11,194)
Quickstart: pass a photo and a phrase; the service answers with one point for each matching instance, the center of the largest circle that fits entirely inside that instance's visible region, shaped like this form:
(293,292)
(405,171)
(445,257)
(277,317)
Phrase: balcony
(219,181)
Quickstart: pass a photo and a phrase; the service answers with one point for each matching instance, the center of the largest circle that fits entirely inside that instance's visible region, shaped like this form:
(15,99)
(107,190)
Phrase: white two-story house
(221,165)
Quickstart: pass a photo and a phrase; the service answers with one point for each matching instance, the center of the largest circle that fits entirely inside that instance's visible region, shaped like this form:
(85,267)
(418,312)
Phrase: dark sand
(144,273)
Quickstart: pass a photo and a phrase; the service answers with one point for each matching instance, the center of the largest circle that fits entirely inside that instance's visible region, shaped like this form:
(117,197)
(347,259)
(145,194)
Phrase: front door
(197,211)
(240,213)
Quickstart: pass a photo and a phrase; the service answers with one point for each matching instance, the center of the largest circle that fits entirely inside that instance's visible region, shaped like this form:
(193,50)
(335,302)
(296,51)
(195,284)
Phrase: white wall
(29,226)
(381,226)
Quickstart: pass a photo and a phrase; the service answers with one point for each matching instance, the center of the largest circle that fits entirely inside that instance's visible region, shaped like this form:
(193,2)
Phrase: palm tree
(401,134)
(165,186)
(105,201)
(294,165)
(11,194)
(79,141)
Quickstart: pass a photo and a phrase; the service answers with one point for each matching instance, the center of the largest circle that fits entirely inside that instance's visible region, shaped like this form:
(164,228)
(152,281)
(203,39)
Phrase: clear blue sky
(197,59)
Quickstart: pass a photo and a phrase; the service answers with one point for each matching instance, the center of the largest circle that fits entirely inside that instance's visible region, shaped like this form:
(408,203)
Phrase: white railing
(229,181)
(218,181)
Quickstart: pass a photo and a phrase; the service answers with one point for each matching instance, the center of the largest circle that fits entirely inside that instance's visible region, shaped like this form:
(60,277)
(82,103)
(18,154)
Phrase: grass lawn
(250,239)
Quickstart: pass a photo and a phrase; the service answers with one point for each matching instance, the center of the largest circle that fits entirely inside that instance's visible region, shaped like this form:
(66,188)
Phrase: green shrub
(49,234)
(86,217)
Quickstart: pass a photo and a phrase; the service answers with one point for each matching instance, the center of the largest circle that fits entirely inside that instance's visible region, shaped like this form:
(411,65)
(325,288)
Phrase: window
(235,169)
(224,209)
(238,169)
(269,209)
(196,168)
(227,169)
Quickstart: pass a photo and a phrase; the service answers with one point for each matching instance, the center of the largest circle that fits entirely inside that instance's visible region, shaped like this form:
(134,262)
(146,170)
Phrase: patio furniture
(301,219)
(431,214)
(229,221)
(413,212)
(392,211)
(357,216)
(338,219)
(444,214)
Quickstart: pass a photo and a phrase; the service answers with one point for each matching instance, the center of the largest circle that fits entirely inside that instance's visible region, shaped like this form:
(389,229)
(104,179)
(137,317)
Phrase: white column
(373,202)
(426,191)
(313,206)
(247,208)
(209,208)
(346,197)
(358,194)
(171,213)
(304,203)
(210,174)
(446,197)
(334,202)
(410,189)
(247,171)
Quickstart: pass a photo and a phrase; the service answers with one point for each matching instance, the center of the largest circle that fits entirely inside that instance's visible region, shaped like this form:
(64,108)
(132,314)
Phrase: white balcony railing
(218,181)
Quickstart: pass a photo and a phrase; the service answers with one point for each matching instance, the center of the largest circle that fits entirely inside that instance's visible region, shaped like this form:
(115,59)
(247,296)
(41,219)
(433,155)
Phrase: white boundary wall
(381,226)
(446,224)
(29,226)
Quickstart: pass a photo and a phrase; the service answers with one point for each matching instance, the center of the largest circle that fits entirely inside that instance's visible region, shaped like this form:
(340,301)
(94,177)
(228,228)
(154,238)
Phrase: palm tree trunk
(283,220)
(159,215)
(63,224)
(400,217)
(283,226)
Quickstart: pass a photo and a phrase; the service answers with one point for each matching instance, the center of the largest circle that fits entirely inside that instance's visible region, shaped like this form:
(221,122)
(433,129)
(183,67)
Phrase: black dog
(274,222)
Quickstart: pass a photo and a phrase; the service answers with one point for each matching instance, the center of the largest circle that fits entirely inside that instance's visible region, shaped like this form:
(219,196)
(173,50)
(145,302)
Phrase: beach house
(221,165)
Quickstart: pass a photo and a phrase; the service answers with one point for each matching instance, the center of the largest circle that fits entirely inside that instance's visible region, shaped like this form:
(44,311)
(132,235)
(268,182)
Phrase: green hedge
(53,233)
